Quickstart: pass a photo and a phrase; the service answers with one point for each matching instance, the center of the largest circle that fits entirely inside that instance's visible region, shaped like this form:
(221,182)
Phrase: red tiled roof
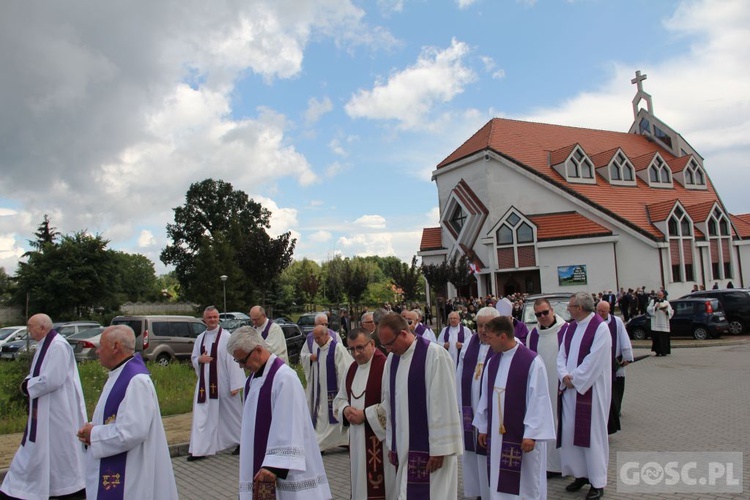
(603,158)
(658,212)
(564,225)
(678,164)
(699,211)
(559,156)
(742,224)
(432,239)
(529,145)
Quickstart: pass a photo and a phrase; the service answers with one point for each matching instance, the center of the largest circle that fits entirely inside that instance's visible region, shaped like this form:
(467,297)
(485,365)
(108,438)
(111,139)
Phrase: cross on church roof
(638,80)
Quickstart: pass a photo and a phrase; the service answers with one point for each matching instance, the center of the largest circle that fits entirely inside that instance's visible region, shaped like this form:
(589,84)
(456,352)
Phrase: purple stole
(375,475)
(263,413)
(420,329)
(35,402)
(213,371)
(520,330)
(612,324)
(264,334)
(533,338)
(417,477)
(112,468)
(582,429)
(460,338)
(514,411)
(467,412)
(331,384)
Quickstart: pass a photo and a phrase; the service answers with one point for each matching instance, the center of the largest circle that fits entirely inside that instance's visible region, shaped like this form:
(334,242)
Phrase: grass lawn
(174,384)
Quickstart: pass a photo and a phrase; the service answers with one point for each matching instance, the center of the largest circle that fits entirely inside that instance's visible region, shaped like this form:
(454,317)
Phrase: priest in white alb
(622,356)
(454,336)
(308,348)
(514,416)
(217,403)
(127,455)
(279,455)
(545,339)
(584,367)
(358,405)
(49,462)
(270,331)
(471,365)
(423,433)
(330,361)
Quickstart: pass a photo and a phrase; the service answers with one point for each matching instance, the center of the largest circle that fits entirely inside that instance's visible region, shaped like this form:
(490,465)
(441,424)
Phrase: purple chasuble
(520,330)
(417,477)
(467,412)
(582,429)
(264,334)
(263,414)
(112,468)
(213,371)
(420,329)
(31,427)
(514,412)
(331,384)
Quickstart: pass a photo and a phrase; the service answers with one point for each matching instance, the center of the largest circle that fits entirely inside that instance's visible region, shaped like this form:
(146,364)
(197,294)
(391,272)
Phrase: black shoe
(236,450)
(551,474)
(576,485)
(595,493)
(193,458)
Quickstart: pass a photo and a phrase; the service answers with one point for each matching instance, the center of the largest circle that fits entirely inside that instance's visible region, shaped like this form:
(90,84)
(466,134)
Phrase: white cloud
(403,244)
(282,219)
(335,146)
(410,96)
(465,4)
(371,221)
(146,239)
(316,109)
(334,169)
(320,236)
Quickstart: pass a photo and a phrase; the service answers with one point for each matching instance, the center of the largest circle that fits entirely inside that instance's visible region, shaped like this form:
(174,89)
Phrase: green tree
(357,275)
(45,235)
(333,280)
(460,274)
(137,277)
(212,231)
(304,277)
(408,279)
(70,279)
(6,286)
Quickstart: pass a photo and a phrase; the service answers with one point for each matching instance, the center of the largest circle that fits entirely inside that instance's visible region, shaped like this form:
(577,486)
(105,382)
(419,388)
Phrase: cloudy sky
(332,113)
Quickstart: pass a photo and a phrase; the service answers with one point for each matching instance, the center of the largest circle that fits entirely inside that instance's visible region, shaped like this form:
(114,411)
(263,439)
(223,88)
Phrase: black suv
(736,304)
(295,339)
(700,318)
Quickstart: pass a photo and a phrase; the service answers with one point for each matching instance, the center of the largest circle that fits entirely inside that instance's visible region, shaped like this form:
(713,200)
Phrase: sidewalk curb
(687,344)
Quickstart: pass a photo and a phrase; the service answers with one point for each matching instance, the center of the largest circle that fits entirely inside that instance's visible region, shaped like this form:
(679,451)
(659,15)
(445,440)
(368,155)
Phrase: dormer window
(621,171)
(659,173)
(694,176)
(579,166)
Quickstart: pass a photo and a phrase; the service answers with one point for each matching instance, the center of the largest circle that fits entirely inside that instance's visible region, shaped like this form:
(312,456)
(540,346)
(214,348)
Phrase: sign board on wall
(572,275)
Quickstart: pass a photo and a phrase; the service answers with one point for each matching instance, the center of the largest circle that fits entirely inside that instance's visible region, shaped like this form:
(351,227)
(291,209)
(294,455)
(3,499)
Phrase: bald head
(39,326)
(602,309)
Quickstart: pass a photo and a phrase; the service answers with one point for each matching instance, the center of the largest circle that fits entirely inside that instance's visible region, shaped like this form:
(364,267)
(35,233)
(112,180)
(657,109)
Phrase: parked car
(163,339)
(295,339)
(736,305)
(12,350)
(85,343)
(306,322)
(11,333)
(283,320)
(232,324)
(558,301)
(700,318)
(234,315)
(68,328)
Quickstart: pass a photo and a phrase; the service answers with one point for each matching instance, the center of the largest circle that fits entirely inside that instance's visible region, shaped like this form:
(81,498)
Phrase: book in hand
(264,491)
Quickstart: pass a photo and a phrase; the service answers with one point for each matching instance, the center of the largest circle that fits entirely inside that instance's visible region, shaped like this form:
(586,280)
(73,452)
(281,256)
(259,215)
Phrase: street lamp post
(223,278)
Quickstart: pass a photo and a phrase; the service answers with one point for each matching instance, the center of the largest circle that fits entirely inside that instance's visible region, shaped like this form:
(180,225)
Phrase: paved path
(693,400)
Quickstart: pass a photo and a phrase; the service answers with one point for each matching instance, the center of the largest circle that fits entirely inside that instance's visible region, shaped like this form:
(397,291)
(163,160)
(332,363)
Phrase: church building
(542,208)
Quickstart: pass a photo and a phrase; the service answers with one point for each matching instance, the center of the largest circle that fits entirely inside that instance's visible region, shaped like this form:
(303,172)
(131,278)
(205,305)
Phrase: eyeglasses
(242,363)
(370,321)
(541,313)
(359,349)
(410,321)
(389,344)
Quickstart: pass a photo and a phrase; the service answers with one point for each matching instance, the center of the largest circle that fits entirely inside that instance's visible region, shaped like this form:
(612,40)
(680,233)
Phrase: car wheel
(700,333)
(735,327)
(639,334)
(163,359)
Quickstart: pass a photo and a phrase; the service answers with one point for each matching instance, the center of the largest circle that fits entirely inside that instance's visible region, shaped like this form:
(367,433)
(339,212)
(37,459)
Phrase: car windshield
(6,332)
(87,334)
(306,320)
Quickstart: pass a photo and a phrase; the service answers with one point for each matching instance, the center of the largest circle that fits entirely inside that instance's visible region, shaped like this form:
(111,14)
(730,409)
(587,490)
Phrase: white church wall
(598,259)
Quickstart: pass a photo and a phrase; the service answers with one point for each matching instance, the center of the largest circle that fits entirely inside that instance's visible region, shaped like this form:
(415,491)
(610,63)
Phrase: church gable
(573,164)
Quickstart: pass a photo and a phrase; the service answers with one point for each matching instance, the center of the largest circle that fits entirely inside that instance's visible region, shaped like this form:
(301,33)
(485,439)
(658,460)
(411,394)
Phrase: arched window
(515,243)
(681,245)
(720,245)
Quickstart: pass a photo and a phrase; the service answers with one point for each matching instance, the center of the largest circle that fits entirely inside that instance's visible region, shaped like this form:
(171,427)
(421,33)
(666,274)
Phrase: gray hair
(124,335)
(245,338)
(419,313)
(209,309)
(45,321)
(365,316)
(584,300)
(488,312)
(320,316)
(378,315)
(356,332)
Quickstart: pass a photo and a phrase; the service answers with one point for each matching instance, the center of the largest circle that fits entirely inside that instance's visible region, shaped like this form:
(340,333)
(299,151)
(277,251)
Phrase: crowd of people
(518,407)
